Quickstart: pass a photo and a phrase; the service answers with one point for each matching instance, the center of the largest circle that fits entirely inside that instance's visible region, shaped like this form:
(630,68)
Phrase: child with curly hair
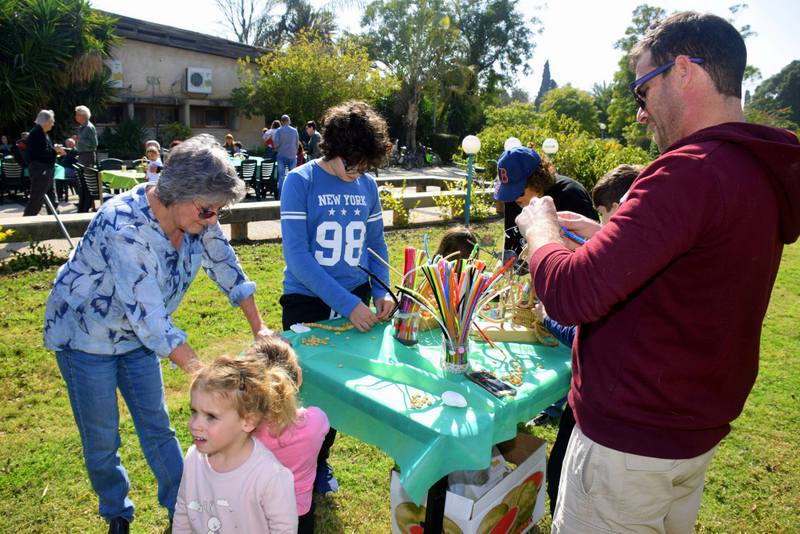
(294,436)
(230,480)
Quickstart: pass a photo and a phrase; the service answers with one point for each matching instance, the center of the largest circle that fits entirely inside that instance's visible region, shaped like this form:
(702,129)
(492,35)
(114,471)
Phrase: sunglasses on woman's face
(207,213)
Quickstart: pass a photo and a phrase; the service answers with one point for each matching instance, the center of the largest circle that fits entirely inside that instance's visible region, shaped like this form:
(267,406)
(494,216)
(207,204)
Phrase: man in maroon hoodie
(672,292)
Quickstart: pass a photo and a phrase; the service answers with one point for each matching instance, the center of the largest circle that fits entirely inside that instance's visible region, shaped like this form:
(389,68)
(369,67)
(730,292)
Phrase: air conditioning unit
(198,80)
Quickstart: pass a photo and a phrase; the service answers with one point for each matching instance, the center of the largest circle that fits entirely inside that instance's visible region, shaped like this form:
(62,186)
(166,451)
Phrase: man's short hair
(311,124)
(613,186)
(285,119)
(83,110)
(698,35)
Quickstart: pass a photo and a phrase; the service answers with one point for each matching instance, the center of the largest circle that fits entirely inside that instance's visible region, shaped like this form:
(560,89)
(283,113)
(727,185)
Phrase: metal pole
(53,211)
(468,202)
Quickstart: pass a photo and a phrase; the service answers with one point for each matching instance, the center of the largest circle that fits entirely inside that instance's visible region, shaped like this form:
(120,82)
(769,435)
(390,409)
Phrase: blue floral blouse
(120,285)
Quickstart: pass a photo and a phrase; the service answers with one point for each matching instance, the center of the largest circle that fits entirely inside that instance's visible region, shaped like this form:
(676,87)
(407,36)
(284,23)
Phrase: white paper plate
(299,328)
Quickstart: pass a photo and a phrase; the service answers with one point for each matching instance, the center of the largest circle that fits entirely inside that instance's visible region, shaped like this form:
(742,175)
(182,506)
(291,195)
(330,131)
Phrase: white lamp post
(550,146)
(510,143)
(603,130)
(471,144)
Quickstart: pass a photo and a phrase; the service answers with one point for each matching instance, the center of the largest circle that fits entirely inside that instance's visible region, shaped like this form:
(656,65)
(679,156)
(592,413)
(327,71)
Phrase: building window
(153,116)
(207,117)
(113,114)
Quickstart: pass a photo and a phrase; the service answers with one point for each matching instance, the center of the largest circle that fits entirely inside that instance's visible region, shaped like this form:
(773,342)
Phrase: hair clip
(242,377)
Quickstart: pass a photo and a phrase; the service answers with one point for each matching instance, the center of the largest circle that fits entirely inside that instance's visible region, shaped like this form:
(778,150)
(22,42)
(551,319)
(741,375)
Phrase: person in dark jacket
(523,174)
(671,293)
(42,159)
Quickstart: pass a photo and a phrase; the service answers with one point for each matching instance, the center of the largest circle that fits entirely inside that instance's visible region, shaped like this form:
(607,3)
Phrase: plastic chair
(269,180)
(110,164)
(91,188)
(247,171)
(12,178)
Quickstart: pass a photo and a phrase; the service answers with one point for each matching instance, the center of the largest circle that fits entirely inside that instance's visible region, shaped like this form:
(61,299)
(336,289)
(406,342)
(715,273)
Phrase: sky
(578,37)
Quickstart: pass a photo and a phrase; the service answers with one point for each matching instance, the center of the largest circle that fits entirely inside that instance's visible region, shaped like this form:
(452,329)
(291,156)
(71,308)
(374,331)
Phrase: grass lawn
(753,484)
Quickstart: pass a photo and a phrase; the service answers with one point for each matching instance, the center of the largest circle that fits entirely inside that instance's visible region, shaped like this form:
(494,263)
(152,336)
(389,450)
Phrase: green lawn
(753,484)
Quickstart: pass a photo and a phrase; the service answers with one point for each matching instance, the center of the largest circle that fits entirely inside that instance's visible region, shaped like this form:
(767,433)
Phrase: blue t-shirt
(327,226)
(286,141)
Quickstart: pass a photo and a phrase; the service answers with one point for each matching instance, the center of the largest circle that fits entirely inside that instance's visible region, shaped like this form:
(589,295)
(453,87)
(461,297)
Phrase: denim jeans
(92,382)
(284,166)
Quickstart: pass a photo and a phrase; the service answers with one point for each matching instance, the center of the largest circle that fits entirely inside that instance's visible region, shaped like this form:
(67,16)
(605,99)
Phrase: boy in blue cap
(522,174)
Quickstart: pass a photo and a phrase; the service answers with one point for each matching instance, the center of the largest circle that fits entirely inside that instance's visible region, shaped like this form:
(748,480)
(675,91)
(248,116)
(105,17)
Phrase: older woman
(109,318)
(42,160)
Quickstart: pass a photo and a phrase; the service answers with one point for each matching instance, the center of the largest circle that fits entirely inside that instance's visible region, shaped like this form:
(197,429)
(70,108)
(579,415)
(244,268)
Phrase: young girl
(230,481)
(296,435)
(153,163)
(457,239)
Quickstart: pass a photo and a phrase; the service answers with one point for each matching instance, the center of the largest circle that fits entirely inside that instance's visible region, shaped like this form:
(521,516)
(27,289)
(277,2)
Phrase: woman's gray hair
(44,117)
(83,110)
(199,169)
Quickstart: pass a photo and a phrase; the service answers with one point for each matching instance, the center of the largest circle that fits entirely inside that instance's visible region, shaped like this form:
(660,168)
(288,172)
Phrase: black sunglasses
(636,84)
(207,213)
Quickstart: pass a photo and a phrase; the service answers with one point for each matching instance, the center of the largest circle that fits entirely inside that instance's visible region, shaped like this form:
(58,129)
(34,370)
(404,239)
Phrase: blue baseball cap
(514,168)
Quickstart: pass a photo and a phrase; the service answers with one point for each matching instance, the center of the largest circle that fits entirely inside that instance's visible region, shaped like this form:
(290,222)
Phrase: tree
(499,39)
(546,85)
(415,40)
(301,17)
(249,20)
(307,77)
(51,52)
(602,93)
(780,94)
(622,109)
(575,104)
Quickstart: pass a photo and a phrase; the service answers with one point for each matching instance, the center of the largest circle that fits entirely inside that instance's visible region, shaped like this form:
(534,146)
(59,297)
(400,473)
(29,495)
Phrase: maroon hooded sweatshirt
(670,295)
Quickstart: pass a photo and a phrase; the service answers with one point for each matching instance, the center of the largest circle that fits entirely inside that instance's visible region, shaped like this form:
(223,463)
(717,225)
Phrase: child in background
(330,215)
(457,239)
(607,195)
(231,482)
(295,438)
(153,163)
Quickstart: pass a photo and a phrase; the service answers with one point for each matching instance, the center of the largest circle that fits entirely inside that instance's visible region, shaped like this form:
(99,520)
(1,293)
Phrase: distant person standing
(87,137)
(286,140)
(314,139)
(42,157)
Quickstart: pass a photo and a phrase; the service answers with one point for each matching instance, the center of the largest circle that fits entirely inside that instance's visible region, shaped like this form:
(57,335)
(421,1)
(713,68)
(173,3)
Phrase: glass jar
(455,357)
(406,328)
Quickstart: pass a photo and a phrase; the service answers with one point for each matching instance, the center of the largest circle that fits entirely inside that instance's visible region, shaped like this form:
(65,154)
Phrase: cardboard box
(513,506)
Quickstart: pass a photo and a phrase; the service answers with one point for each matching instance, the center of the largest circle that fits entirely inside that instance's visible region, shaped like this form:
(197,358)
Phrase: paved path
(257,231)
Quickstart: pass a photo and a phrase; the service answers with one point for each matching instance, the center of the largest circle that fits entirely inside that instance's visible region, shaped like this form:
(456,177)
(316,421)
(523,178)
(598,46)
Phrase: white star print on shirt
(356,212)
(344,211)
(331,212)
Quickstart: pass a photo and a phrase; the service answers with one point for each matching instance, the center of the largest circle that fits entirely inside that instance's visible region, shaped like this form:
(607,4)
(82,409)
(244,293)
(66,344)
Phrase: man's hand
(384,307)
(362,317)
(538,222)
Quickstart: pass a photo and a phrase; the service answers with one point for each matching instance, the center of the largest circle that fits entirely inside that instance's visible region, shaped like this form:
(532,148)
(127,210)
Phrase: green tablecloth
(122,179)
(364,382)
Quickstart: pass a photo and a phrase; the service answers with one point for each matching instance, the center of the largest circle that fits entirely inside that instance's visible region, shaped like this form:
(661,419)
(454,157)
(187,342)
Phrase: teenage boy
(330,215)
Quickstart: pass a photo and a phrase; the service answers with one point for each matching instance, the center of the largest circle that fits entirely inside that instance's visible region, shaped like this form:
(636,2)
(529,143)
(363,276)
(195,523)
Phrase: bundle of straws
(460,288)
(407,322)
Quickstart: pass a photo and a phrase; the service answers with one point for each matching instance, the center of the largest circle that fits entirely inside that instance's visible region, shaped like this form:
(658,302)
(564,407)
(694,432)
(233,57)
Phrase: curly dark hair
(544,177)
(356,133)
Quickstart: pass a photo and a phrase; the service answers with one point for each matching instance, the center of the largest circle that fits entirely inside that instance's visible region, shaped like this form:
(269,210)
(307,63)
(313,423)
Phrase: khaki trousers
(604,490)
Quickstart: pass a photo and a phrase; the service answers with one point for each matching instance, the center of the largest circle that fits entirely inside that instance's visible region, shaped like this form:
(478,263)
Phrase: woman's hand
(384,307)
(184,357)
(362,317)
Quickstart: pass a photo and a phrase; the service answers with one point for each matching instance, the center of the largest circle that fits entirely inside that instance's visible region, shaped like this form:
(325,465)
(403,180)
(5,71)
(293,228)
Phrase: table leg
(434,511)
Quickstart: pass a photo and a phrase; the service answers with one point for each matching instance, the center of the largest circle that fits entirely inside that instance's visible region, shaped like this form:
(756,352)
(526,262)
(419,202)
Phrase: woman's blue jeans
(92,382)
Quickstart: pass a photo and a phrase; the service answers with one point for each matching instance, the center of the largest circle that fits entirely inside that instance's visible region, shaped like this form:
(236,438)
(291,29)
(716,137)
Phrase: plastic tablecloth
(122,179)
(365,382)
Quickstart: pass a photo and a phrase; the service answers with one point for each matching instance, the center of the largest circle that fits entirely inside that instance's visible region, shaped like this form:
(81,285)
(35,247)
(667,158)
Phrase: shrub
(176,130)
(452,207)
(400,215)
(126,141)
(38,256)
(445,145)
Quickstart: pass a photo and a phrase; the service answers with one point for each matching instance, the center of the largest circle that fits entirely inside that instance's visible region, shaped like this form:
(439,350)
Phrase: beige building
(164,75)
